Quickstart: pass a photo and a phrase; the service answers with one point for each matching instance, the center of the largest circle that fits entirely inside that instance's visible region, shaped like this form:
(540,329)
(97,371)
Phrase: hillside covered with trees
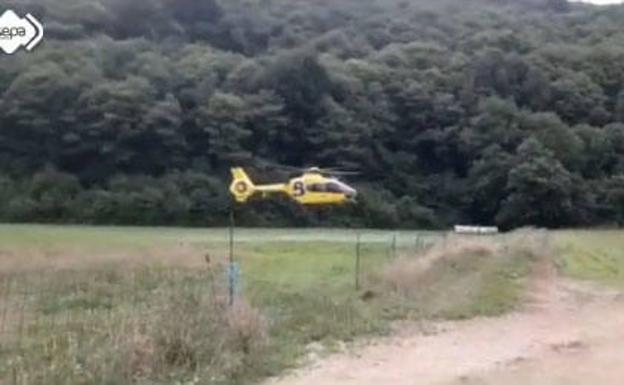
(506,112)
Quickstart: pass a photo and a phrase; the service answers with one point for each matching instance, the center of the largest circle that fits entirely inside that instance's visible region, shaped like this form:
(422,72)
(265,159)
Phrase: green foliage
(539,187)
(432,101)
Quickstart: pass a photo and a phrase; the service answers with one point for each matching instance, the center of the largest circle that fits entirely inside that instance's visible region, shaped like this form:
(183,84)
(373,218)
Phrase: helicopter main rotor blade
(337,171)
(343,173)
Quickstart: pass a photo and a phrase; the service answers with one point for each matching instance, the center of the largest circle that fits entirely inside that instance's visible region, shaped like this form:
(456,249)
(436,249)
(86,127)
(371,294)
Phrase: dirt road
(568,333)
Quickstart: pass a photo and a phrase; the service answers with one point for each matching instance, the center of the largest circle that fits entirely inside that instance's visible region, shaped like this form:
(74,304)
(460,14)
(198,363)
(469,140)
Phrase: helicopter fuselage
(310,189)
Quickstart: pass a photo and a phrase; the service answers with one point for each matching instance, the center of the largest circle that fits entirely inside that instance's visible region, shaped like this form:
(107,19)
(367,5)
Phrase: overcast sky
(601,1)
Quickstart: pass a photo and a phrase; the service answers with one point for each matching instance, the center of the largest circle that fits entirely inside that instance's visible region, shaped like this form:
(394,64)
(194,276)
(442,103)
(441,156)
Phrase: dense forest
(505,112)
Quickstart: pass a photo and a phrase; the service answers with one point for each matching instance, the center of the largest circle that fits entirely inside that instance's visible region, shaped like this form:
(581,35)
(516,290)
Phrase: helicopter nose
(351,195)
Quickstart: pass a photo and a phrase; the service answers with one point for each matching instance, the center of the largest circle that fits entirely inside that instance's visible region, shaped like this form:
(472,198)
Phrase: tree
(338,139)
(145,105)
(268,124)
(539,189)
(112,128)
(303,84)
(619,107)
(575,96)
(165,147)
(223,121)
(615,198)
(598,153)
(548,128)
(191,12)
(52,195)
(137,18)
(558,5)
(497,122)
(486,177)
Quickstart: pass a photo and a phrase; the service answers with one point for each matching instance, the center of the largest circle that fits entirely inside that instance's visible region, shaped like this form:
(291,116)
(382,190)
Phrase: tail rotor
(242,188)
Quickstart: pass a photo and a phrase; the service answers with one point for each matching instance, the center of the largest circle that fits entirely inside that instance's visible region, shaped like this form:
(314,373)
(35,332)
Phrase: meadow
(594,255)
(115,305)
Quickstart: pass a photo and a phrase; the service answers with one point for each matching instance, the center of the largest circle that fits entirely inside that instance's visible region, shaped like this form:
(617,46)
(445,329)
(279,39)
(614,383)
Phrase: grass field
(111,305)
(592,255)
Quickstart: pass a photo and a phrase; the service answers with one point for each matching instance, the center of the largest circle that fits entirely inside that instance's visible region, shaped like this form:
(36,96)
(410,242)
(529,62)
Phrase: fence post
(418,244)
(5,303)
(357,262)
(394,246)
(231,268)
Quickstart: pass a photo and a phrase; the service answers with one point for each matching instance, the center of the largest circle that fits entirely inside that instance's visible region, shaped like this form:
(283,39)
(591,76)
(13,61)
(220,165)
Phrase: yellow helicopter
(314,187)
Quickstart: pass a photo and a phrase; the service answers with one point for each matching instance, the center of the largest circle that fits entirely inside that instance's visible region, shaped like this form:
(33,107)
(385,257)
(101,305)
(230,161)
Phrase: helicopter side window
(334,188)
(317,187)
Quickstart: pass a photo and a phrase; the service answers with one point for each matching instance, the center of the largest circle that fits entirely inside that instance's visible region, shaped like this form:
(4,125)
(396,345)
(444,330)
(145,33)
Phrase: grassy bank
(140,305)
(592,255)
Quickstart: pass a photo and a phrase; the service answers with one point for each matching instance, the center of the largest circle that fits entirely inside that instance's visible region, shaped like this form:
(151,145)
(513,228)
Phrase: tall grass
(592,255)
(121,327)
(154,312)
(465,276)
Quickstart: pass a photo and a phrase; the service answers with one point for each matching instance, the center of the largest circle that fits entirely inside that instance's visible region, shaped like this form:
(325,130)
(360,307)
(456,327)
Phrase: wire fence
(45,308)
(370,253)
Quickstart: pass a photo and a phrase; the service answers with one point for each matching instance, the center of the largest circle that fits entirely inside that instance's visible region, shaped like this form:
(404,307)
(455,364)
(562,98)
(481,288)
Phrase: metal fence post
(357,262)
(394,246)
(231,269)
